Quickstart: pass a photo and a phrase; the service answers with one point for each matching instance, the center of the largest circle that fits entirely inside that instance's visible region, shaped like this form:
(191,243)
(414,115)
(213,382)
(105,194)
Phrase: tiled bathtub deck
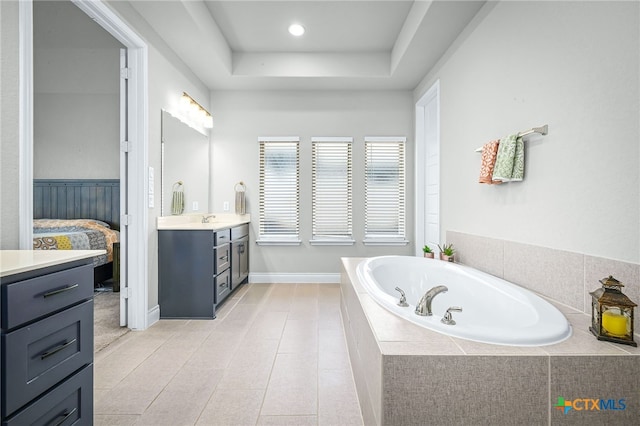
(275,355)
(408,375)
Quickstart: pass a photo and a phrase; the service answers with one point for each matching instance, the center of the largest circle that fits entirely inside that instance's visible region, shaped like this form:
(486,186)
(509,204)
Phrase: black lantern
(612,313)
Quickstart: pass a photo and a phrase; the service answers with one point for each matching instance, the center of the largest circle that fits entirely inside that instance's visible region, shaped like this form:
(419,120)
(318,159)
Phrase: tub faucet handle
(403,300)
(448,319)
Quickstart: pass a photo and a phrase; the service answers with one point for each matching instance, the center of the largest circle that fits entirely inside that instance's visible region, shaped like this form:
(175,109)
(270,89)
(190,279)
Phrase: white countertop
(17,261)
(193,222)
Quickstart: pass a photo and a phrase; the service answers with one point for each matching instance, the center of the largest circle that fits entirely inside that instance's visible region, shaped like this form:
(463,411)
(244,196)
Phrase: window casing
(332,191)
(385,190)
(279,191)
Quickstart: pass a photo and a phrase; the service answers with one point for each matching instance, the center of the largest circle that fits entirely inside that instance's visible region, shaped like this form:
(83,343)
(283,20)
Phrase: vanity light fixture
(296,30)
(196,112)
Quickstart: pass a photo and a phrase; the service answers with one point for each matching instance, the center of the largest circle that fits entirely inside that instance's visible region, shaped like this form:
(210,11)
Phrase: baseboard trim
(288,278)
(153,316)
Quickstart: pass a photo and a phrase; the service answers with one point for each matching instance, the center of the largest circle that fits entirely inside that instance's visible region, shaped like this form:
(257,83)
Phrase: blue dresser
(46,315)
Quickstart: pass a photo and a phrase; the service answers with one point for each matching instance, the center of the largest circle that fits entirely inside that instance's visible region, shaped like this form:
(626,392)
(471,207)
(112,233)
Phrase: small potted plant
(446,252)
(427,252)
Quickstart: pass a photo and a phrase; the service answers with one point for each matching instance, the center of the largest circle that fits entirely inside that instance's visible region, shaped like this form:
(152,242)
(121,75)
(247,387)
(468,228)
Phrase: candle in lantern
(614,323)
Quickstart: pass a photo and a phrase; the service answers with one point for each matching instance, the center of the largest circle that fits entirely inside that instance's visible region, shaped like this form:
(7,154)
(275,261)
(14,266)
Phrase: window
(279,191)
(385,190)
(331,185)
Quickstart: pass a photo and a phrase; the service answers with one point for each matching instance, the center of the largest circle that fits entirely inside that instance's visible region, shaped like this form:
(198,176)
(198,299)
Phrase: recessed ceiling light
(296,30)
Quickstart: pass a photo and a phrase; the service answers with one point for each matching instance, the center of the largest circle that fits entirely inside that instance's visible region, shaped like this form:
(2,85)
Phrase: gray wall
(76,95)
(240,117)
(9,131)
(168,78)
(575,66)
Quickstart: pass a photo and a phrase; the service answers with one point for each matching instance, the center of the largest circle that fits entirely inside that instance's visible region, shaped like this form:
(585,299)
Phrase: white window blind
(331,184)
(385,190)
(279,191)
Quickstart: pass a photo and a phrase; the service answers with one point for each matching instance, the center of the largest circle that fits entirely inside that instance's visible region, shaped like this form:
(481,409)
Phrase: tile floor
(276,355)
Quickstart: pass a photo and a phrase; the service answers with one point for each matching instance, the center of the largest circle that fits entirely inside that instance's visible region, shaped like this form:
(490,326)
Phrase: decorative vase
(429,255)
(446,258)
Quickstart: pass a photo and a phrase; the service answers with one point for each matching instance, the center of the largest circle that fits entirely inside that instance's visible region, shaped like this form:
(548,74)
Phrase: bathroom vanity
(200,263)
(46,312)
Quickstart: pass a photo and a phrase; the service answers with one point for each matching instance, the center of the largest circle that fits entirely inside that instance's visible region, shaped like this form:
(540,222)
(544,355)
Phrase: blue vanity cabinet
(186,273)
(47,345)
(198,269)
(239,255)
(222,251)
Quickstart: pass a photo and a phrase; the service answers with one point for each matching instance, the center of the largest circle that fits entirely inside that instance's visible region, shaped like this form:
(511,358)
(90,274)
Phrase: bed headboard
(77,199)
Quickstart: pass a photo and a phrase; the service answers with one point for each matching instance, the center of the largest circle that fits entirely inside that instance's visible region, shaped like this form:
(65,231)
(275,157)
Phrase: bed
(79,214)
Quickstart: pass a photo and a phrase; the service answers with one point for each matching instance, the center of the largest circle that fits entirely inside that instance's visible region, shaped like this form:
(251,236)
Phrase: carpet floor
(106,319)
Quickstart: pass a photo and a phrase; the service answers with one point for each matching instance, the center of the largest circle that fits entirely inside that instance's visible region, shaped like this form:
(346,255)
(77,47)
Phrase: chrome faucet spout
(423,308)
(205,219)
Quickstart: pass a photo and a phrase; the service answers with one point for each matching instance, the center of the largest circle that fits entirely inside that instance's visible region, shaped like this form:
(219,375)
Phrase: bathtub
(493,310)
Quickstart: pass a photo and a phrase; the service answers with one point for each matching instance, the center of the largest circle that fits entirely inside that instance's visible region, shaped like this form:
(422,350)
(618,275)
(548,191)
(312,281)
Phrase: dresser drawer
(27,300)
(239,231)
(222,237)
(70,403)
(222,257)
(223,286)
(39,355)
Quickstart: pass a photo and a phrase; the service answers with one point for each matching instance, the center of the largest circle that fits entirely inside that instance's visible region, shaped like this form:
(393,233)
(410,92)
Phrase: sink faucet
(423,308)
(205,219)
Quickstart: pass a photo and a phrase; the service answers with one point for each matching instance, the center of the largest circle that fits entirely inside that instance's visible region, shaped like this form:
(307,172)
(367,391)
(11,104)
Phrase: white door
(428,169)
(124,126)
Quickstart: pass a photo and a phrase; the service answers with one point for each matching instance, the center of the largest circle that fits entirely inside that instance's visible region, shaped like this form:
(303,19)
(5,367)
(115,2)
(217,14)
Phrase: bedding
(75,234)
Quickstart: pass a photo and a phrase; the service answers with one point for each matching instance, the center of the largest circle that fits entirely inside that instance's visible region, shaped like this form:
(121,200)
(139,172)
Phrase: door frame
(136,216)
(427,149)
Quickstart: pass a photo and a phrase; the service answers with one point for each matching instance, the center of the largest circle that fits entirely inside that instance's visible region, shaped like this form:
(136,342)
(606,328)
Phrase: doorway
(428,169)
(133,157)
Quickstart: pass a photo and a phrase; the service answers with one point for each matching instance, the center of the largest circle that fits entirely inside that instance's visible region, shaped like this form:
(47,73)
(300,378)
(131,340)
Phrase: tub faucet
(423,308)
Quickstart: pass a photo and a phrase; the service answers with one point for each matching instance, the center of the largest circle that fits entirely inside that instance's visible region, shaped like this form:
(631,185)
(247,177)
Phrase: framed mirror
(184,169)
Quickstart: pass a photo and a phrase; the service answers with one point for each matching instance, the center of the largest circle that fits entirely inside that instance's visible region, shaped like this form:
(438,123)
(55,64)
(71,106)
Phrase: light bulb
(208,122)
(296,30)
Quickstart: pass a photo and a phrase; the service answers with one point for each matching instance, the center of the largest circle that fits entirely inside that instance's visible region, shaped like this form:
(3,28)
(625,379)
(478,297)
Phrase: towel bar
(543,130)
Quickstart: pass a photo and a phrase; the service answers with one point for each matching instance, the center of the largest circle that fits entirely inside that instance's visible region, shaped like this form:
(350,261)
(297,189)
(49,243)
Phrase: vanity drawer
(222,257)
(70,403)
(27,300)
(42,354)
(223,286)
(239,231)
(221,237)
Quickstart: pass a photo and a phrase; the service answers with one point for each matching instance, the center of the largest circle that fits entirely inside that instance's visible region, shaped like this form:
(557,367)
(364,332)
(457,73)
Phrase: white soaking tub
(493,310)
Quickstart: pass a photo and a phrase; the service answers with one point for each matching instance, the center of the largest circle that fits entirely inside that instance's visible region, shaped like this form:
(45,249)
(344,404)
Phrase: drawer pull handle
(60,290)
(64,416)
(225,258)
(56,350)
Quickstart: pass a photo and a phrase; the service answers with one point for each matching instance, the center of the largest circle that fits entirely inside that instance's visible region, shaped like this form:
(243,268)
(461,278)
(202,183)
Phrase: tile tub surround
(405,374)
(563,276)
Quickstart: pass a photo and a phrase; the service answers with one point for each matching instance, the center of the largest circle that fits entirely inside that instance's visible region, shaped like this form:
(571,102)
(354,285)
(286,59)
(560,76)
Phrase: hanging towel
(489,153)
(177,200)
(518,162)
(510,159)
(241,207)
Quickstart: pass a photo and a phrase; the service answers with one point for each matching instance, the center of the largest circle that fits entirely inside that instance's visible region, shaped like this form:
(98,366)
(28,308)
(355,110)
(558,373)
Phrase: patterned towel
(489,153)
(509,165)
